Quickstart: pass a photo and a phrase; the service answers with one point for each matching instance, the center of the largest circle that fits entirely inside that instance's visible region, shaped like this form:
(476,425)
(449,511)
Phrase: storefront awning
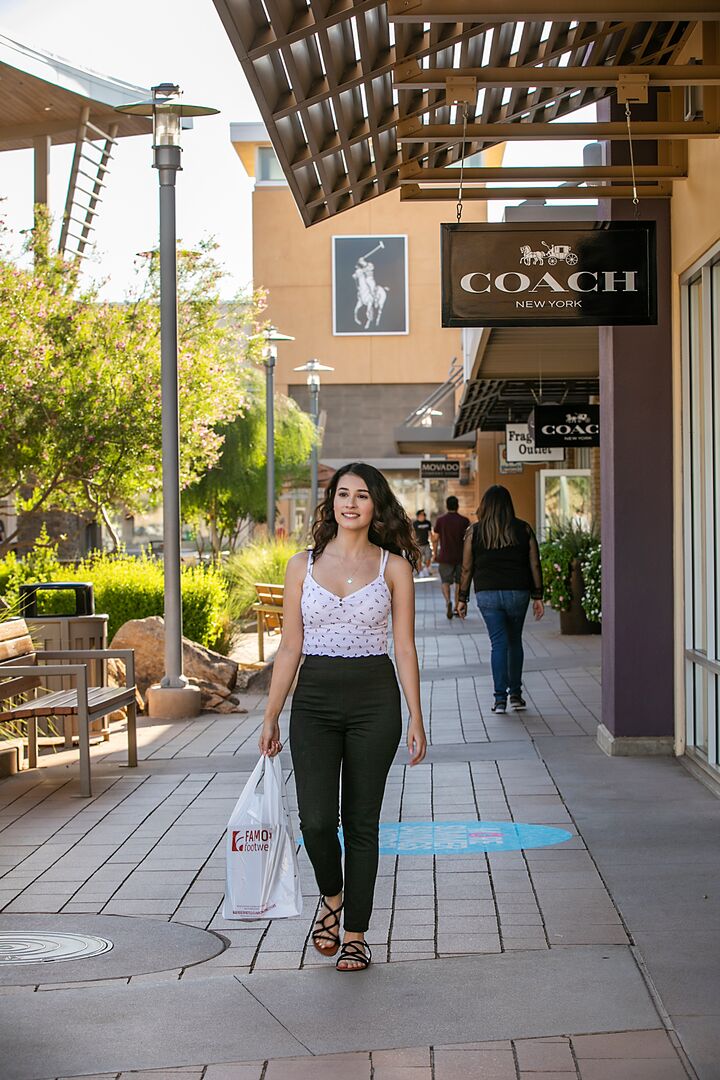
(490,404)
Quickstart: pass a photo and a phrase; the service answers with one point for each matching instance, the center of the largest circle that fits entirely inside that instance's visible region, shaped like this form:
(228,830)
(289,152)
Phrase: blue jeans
(504,612)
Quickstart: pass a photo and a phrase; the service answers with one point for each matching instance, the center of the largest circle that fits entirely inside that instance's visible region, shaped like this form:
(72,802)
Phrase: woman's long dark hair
(495,518)
(391,527)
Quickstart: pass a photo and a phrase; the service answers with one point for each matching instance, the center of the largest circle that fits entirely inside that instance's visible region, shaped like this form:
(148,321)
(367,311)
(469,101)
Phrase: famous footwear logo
(251,839)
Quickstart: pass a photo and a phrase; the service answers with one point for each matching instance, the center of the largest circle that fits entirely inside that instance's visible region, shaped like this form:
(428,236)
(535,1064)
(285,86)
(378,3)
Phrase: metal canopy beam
(641,129)
(414,174)
(413,191)
(412,77)
(500,11)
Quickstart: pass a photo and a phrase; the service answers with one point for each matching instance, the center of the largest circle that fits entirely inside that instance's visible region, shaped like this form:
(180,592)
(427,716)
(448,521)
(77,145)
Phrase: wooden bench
(22,670)
(269,610)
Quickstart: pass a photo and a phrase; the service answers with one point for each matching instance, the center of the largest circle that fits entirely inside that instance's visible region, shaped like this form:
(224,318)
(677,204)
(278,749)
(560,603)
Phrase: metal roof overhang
(360,97)
(514,368)
(44,95)
(490,404)
(434,440)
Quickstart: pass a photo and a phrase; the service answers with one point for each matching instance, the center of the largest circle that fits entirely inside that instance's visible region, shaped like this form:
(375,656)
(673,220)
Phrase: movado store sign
(445,468)
(558,425)
(601,273)
(520,446)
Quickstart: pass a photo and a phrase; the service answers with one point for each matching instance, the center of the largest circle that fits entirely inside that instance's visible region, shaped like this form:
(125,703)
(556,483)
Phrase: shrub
(129,588)
(264,561)
(591,571)
(564,545)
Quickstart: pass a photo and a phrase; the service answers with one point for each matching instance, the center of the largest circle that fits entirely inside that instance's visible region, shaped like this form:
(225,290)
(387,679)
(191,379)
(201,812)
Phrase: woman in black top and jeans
(501,557)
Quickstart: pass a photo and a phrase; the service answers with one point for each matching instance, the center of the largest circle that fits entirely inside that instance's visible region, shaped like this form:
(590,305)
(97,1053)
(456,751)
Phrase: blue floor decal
(464,837)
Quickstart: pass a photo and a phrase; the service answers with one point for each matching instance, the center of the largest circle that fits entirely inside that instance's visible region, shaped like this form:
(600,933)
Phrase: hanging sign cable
(636,200)
(459,207)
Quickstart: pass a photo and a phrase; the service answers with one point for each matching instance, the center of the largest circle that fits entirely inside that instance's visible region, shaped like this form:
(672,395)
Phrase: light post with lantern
(173,697)
(313,368)
(271,336)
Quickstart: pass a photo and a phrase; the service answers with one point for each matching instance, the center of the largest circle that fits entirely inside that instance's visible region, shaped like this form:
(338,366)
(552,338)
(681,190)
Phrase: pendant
(349,580)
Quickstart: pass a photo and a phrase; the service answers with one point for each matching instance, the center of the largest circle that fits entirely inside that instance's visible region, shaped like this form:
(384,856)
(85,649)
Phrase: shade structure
(338,85)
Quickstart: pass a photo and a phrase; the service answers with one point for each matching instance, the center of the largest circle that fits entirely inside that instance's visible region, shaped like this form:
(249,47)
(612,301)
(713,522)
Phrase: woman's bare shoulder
(296,566)
(398,567)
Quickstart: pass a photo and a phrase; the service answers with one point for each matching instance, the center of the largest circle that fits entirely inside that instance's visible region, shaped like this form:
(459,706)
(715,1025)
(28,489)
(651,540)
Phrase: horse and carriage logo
(552,255)
(369,285)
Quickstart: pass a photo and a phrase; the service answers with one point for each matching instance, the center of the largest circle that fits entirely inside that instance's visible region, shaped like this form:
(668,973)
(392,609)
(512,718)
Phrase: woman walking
(501,558)
(345,721)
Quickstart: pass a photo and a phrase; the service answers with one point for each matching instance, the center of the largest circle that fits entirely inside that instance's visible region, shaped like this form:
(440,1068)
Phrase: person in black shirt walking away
(450,529)
(501,558)
(422,529)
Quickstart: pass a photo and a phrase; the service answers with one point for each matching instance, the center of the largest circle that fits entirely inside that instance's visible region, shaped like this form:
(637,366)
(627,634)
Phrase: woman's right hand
(461,608)
(269,741)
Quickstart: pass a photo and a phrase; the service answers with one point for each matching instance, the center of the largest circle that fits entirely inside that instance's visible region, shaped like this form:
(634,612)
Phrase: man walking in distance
(422,529)
(450,529)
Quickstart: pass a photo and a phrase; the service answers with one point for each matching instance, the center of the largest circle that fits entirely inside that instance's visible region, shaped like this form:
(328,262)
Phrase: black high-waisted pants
(345,723)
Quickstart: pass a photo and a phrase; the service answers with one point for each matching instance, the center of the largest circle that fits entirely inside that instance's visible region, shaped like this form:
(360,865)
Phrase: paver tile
(325,1067)
(536,1056)
(474,1065)
(625,1044)
(647,1069)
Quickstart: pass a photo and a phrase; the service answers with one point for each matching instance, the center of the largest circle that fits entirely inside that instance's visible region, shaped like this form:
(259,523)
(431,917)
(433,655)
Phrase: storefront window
(701,467)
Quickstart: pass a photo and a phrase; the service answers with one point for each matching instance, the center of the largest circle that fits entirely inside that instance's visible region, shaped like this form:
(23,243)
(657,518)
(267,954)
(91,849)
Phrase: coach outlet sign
(601,273)
(448,470)
(559,425)
(520,446)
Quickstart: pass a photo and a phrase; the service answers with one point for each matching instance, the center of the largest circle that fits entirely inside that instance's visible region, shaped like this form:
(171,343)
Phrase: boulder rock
(147,638)
(116,677)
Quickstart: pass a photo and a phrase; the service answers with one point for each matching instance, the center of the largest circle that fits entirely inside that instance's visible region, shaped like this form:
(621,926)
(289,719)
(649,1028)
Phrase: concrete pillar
(637,505)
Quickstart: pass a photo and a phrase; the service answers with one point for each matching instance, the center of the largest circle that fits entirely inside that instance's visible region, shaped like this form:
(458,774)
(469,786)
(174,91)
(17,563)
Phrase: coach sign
(546,274)
(563,425)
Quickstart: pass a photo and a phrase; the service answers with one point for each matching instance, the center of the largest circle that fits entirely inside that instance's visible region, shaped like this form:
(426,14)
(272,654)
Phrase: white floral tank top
(354,625)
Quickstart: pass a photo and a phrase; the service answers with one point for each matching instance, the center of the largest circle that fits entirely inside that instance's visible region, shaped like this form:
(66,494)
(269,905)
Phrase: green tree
(80,398)
(235,488)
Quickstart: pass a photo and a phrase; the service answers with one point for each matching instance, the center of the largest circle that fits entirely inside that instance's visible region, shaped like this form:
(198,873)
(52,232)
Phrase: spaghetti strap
(310,562)
(383,563)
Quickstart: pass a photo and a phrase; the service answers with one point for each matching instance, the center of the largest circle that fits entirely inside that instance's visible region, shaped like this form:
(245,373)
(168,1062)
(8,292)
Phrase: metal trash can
(81,630)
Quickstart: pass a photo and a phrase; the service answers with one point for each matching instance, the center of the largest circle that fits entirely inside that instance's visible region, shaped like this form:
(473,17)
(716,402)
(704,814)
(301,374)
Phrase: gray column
(270,443)
(173,676)
(636,413)
(41,169)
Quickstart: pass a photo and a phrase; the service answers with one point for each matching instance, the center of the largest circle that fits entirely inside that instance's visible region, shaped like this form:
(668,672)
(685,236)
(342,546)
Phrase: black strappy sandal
(357,951)
(324,932)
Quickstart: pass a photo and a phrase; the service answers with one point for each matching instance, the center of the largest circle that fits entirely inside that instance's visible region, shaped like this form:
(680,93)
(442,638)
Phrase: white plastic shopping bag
(262,878)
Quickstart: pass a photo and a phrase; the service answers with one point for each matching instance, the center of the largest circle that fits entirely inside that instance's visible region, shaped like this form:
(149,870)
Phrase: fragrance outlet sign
(520,446)
(601,273)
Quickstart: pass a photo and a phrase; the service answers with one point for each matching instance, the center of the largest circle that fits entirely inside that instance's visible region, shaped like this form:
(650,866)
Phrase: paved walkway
(496,965)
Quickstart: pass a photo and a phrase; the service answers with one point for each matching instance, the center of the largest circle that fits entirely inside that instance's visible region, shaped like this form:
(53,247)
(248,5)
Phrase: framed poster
(505,466)
(547,273)
(370,285)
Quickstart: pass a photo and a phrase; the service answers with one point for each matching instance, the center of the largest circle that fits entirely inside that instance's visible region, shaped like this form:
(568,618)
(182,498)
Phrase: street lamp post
(173,697)
(313,368)
(272,335)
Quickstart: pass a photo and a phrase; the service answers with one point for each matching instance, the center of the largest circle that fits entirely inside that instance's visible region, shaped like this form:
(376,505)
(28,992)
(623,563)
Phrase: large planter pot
(575,621)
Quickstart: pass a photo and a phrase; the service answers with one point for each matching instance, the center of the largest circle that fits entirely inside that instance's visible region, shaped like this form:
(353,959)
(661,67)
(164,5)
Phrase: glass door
(563,497)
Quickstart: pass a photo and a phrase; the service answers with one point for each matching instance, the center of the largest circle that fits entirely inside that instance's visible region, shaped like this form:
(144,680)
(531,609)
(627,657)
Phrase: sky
(147,42)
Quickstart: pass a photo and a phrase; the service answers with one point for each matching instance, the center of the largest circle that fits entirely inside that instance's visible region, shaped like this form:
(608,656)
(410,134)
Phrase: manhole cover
(26,947)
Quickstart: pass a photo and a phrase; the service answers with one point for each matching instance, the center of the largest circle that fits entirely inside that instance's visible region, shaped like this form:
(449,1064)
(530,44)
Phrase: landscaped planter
(575,621)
